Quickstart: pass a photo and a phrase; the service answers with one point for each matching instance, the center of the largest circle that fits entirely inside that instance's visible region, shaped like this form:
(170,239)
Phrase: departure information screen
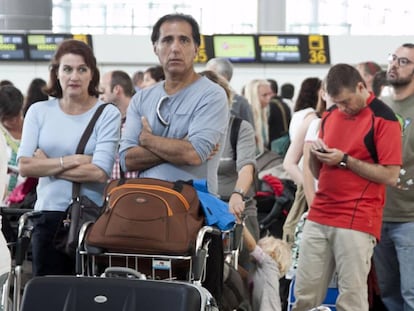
(42,47)
(304,49)
(12,47)
(237,48)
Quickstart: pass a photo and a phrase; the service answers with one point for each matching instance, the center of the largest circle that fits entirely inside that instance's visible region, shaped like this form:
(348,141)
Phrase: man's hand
(214,151)
(324,154)
(146,132)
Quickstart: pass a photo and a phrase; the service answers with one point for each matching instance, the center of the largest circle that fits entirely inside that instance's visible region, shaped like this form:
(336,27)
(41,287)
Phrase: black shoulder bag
(81,209)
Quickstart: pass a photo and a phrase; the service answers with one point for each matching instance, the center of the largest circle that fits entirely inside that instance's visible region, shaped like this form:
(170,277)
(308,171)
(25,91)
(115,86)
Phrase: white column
(271,16)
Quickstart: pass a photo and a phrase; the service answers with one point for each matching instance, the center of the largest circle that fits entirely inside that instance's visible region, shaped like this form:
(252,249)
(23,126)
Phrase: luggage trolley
(232,243)
(90,260)
(19,228)
(182,273)
(123,287)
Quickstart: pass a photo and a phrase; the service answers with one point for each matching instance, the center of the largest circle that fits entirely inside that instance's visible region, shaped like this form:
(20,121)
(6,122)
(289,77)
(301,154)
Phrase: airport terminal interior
(289,41)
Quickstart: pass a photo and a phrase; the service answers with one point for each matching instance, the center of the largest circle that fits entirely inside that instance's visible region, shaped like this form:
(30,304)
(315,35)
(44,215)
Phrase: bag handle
(82,144)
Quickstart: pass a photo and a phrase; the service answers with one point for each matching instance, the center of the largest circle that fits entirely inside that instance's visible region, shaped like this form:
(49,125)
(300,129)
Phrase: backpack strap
(234,135)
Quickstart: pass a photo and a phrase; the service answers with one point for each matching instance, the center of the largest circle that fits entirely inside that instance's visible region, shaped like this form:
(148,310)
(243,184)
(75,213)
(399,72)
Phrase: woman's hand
(72,161)
(39,154)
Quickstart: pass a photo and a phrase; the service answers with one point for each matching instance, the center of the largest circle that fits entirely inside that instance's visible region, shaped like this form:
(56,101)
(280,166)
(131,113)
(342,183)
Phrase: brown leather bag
(148,216)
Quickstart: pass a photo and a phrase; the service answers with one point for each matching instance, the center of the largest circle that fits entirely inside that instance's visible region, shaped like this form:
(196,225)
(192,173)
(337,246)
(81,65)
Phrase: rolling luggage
(57,293)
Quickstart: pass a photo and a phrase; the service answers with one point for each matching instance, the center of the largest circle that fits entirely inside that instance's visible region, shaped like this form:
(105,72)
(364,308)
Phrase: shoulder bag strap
(234,135)
(82,143)
(282,110)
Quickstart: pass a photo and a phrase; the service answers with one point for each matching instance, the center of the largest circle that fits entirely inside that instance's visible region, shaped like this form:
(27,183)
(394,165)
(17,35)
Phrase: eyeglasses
(402,61)
(160,117)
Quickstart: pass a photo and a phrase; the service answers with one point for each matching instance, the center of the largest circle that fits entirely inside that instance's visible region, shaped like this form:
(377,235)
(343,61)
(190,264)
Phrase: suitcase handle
(123,272)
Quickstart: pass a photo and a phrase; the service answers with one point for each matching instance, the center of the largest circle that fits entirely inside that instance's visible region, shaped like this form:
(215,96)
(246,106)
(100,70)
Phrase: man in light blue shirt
(174,129)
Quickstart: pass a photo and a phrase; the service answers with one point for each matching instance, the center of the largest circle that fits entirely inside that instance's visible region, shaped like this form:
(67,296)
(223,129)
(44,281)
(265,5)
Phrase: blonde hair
(260,115)
(279,250)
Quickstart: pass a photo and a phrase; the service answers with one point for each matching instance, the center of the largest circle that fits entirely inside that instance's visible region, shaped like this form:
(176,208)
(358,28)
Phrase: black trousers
(46,259)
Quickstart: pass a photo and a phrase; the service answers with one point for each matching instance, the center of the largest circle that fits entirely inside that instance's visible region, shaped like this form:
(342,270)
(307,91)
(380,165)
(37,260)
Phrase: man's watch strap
(344,162)
(239,192)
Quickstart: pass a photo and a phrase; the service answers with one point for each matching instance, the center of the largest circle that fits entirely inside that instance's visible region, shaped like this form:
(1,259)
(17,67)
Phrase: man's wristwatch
(239,192)
(344,162)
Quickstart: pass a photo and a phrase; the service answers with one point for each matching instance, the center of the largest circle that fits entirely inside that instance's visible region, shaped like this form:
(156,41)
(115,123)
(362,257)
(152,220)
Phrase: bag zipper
(169,209)
(155,187)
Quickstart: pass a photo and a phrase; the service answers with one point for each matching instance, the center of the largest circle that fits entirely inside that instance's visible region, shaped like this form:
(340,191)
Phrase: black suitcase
(72,293)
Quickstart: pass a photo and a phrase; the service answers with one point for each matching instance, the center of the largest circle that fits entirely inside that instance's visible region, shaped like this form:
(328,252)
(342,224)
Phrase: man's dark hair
(119,77)
(287,90)
(408,45)
(342,76)
(5,82)
(176,17)
(273,85)
(156,72)
(137,76)
(379,81)
(11,102)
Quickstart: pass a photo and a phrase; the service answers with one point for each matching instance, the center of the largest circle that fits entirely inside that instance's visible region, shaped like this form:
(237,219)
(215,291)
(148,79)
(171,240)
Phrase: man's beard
(400,82)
